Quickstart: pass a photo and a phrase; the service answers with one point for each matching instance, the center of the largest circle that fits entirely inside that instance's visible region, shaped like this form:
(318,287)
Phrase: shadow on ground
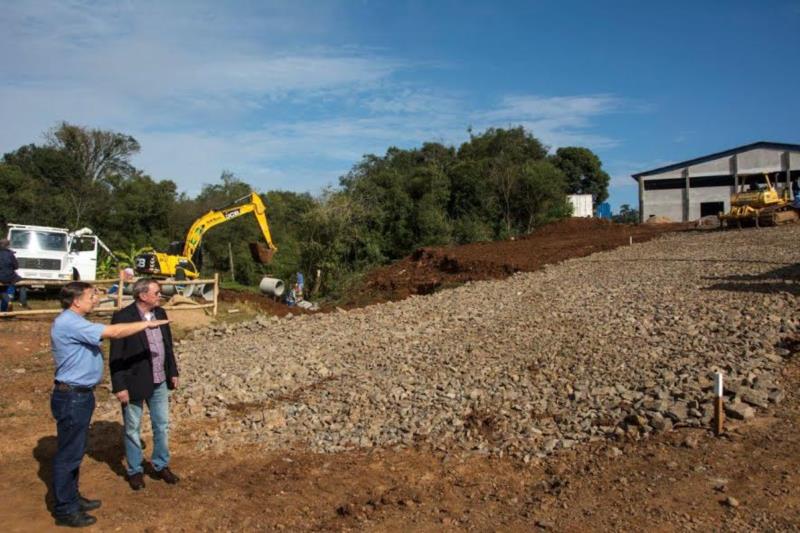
(105,446)
(784,279)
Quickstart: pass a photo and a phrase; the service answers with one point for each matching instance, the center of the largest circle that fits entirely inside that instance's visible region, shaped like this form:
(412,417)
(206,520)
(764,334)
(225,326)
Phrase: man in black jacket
(9,277)
(143,367)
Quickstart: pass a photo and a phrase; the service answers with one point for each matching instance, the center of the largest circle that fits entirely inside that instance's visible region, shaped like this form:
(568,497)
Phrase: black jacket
(131,362)
(8,267)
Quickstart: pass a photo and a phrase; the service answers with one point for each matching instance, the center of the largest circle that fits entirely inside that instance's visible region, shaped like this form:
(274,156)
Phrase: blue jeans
(158,405)
(8,295)
(73,412)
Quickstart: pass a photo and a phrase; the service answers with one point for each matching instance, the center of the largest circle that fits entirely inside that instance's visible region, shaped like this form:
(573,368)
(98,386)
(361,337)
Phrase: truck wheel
(76,276)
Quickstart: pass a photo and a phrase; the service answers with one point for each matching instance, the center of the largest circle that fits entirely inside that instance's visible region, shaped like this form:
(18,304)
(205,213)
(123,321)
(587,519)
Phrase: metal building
(703,186)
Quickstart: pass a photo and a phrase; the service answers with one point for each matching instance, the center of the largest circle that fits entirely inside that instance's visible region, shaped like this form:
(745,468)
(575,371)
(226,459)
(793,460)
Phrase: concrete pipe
(206,291)
(272,287)
(169,290)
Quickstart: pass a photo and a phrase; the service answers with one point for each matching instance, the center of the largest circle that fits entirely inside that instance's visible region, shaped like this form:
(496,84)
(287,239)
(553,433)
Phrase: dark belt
(66,387)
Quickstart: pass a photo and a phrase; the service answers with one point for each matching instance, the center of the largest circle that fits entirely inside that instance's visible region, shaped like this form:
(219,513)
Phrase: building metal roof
(719,155)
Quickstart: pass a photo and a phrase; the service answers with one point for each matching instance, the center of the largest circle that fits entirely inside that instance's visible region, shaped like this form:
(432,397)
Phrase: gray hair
(141,286)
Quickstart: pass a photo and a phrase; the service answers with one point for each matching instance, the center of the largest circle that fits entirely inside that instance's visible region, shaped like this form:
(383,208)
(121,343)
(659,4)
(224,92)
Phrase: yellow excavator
(179,261)
(761,205)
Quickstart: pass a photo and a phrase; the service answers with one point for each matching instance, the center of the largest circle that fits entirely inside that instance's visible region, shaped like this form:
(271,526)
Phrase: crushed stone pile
(617,345)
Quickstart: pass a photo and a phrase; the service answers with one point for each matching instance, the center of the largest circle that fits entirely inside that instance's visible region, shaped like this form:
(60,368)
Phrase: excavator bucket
(261,253)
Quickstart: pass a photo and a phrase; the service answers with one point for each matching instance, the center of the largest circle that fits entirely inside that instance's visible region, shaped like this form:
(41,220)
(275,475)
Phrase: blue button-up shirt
(76,349)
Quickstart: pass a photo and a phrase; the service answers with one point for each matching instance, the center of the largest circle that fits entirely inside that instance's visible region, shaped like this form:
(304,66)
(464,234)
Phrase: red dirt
(264,303)
(429,269)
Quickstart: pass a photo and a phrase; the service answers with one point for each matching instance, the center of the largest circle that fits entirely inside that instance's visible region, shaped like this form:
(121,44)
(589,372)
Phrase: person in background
(143,369)
(79,368)
(9,278)
(127,275)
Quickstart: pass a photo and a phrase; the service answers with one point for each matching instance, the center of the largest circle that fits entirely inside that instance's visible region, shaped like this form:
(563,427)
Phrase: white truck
(53,254)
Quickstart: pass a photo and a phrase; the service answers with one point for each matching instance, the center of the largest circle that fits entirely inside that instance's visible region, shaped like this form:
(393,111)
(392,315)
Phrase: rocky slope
(618,345)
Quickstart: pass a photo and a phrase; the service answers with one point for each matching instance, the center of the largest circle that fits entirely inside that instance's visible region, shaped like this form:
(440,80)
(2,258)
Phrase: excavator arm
(252,204)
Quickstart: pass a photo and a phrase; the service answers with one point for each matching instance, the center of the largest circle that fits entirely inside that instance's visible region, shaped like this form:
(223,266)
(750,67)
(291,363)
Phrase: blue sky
(289,95)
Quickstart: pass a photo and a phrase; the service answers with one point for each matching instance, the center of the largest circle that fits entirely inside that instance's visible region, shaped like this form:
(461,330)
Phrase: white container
(581,205)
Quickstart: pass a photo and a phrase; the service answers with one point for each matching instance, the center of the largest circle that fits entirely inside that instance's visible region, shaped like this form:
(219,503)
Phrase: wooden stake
(216,291)
(719,408)
(230,257)
(317,283)
(120,288)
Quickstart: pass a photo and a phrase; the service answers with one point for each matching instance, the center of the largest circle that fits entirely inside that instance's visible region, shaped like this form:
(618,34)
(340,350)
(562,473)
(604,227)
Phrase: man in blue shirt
(79,368)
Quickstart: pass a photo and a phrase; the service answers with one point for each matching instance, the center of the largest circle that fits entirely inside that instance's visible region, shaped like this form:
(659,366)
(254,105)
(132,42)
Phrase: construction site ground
(685,479)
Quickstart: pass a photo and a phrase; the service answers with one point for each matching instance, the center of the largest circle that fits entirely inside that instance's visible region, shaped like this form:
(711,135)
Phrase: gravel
(618,345)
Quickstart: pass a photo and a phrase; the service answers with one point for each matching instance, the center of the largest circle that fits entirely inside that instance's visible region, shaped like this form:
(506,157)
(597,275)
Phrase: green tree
(626,215)
(472,208)
(20,195)
(540,196)
(516,145)
(286,213)
(52,176)
(497,157)
(583,171)
(139,211)
(99,153)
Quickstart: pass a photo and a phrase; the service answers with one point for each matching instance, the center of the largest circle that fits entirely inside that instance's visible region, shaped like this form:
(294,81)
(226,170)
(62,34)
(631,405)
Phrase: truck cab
(47,253)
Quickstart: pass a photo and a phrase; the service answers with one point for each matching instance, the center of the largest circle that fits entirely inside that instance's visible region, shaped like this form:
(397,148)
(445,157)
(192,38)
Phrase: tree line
(498,184)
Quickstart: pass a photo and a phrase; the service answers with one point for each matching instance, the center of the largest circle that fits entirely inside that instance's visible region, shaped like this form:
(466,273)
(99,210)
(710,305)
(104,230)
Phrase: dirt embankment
(430,269)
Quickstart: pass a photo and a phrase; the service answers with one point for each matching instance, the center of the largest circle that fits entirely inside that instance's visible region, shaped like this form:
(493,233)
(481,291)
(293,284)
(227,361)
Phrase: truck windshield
(38,240)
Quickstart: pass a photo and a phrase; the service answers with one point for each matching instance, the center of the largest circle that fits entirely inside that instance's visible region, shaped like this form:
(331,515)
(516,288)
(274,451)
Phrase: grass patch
(236,286)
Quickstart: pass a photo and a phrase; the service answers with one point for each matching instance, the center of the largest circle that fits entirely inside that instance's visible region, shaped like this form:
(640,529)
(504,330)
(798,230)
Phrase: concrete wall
(708,194)
(761,160)
(709,168)
(665,203)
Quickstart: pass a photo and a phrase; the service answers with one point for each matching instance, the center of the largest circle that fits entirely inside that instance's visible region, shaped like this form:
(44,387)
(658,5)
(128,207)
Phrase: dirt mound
(658,220)
(430,269)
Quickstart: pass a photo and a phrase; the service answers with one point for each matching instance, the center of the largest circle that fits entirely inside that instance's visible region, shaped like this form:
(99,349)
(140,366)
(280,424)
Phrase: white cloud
(253,88)
(558,120)
(180,54)
(572,109)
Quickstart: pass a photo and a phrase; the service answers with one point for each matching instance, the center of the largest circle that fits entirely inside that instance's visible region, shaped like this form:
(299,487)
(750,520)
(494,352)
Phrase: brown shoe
(136,481)
(167,475)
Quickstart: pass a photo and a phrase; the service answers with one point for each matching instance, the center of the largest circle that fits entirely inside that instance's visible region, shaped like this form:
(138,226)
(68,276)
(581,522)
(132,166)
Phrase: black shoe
(88,505)
(136,481)
(167,475)
(78,519)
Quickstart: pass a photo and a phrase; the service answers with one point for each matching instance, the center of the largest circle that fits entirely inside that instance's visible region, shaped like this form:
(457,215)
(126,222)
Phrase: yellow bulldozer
(179,261)
(760,205)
